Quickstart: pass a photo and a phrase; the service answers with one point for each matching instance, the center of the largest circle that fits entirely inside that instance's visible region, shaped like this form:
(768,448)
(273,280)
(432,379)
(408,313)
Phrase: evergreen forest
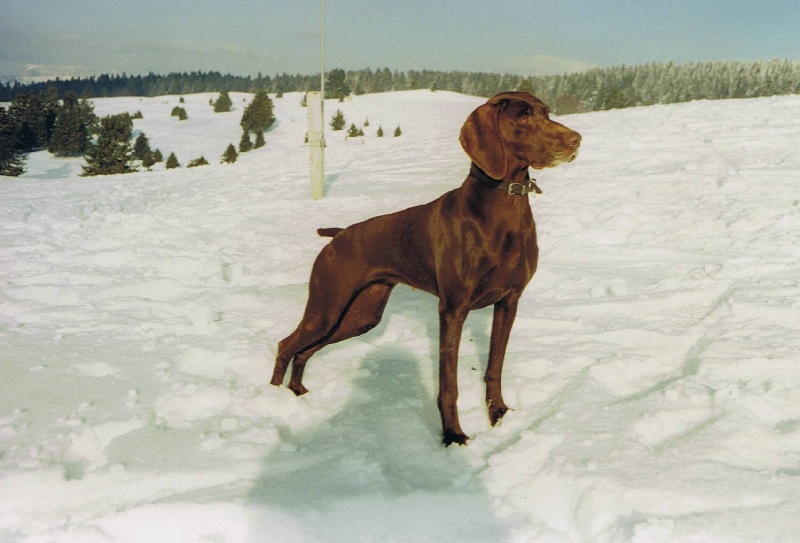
(592,90)
(51,116)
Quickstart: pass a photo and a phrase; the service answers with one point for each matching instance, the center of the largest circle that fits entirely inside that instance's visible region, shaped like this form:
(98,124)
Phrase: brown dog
(472,247)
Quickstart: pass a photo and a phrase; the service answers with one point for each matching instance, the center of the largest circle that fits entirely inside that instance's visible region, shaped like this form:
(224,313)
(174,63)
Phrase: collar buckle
(523,189)
(514,189)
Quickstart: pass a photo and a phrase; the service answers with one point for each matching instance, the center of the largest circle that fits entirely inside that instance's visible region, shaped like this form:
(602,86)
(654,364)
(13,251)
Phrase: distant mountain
(38,73)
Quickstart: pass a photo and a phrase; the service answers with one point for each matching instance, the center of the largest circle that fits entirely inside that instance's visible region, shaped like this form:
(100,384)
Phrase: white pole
(322,59)
(316,123)
(316,144)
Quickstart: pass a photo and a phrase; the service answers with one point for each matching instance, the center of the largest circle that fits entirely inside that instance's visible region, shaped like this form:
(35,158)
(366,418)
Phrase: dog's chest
(503,265)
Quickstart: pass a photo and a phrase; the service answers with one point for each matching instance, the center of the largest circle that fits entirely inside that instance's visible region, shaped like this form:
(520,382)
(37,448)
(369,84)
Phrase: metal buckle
(520,189)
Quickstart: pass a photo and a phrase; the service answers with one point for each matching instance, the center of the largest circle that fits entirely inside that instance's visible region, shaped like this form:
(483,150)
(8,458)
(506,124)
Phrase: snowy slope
(653,367)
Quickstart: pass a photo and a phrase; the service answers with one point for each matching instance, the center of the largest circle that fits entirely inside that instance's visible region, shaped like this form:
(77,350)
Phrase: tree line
(591,90)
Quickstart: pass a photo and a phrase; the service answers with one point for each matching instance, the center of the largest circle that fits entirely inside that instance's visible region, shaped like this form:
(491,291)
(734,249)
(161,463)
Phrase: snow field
(652,368)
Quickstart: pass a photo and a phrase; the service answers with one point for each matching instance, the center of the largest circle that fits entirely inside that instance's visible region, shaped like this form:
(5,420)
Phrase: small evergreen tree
(380,131)
(141,147)
(366,122)
(198,162)
(157,156)
(180,113)
(398,132)
(172,162)
(245,144)
(352,131)
(259,140)
(223,103)
(337,122)
(230,155)
(149,160)
(112,153)
(258,114)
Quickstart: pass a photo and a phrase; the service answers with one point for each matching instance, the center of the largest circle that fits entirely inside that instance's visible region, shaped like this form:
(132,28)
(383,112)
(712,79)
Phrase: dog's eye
(525,115)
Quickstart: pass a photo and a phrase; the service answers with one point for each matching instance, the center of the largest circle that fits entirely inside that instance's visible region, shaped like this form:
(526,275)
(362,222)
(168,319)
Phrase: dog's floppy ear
(480,138)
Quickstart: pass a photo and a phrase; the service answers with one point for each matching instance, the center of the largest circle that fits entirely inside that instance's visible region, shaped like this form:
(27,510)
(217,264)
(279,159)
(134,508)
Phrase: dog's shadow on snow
(377,470)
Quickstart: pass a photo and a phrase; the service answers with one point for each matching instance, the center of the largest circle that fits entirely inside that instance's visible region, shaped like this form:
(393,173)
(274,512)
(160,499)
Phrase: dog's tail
(328,232)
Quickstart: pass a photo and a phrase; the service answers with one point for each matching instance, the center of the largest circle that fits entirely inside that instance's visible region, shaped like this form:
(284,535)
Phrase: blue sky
(527,37)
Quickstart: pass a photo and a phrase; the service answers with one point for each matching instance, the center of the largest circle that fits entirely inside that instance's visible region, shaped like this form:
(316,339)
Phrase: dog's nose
(574,140)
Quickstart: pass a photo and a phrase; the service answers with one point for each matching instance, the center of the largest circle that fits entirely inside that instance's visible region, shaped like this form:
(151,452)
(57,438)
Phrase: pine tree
(73,127)
(230,155)
(337,122)
(149,160)
(259,140)
(245,144)
(525,86)
(380,132)
(29,115)
(50,105)
(352,131)
(258,114)
(180,113)
(223,103)
(11,160)
(335,84)
(157,156)
(198,162)
(141,147)
(112,153)
(172,162)
(398,132)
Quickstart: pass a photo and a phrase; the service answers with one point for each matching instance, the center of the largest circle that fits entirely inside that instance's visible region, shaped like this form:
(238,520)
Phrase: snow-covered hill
(653,367)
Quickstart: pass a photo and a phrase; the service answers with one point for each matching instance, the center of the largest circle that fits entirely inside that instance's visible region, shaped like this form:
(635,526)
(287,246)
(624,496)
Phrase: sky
(526,37)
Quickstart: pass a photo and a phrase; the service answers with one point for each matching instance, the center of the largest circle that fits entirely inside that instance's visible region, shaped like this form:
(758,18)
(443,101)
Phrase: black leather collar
(516,189)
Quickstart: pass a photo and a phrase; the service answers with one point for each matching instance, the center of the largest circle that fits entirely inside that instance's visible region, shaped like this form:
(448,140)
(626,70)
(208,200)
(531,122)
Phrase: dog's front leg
(504,313)
(451,321)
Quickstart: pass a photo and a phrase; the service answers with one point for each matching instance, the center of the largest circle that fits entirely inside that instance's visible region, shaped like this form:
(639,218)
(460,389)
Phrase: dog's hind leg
(362,313)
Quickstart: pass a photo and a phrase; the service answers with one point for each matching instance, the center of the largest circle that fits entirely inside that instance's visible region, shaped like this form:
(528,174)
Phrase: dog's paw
(451,437)
(298,389)
(496,414)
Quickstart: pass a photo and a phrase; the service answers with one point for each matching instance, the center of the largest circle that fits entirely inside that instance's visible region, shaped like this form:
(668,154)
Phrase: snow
(653,367)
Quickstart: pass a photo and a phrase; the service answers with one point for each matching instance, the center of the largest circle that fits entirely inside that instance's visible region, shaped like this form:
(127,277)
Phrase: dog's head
(512,131)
